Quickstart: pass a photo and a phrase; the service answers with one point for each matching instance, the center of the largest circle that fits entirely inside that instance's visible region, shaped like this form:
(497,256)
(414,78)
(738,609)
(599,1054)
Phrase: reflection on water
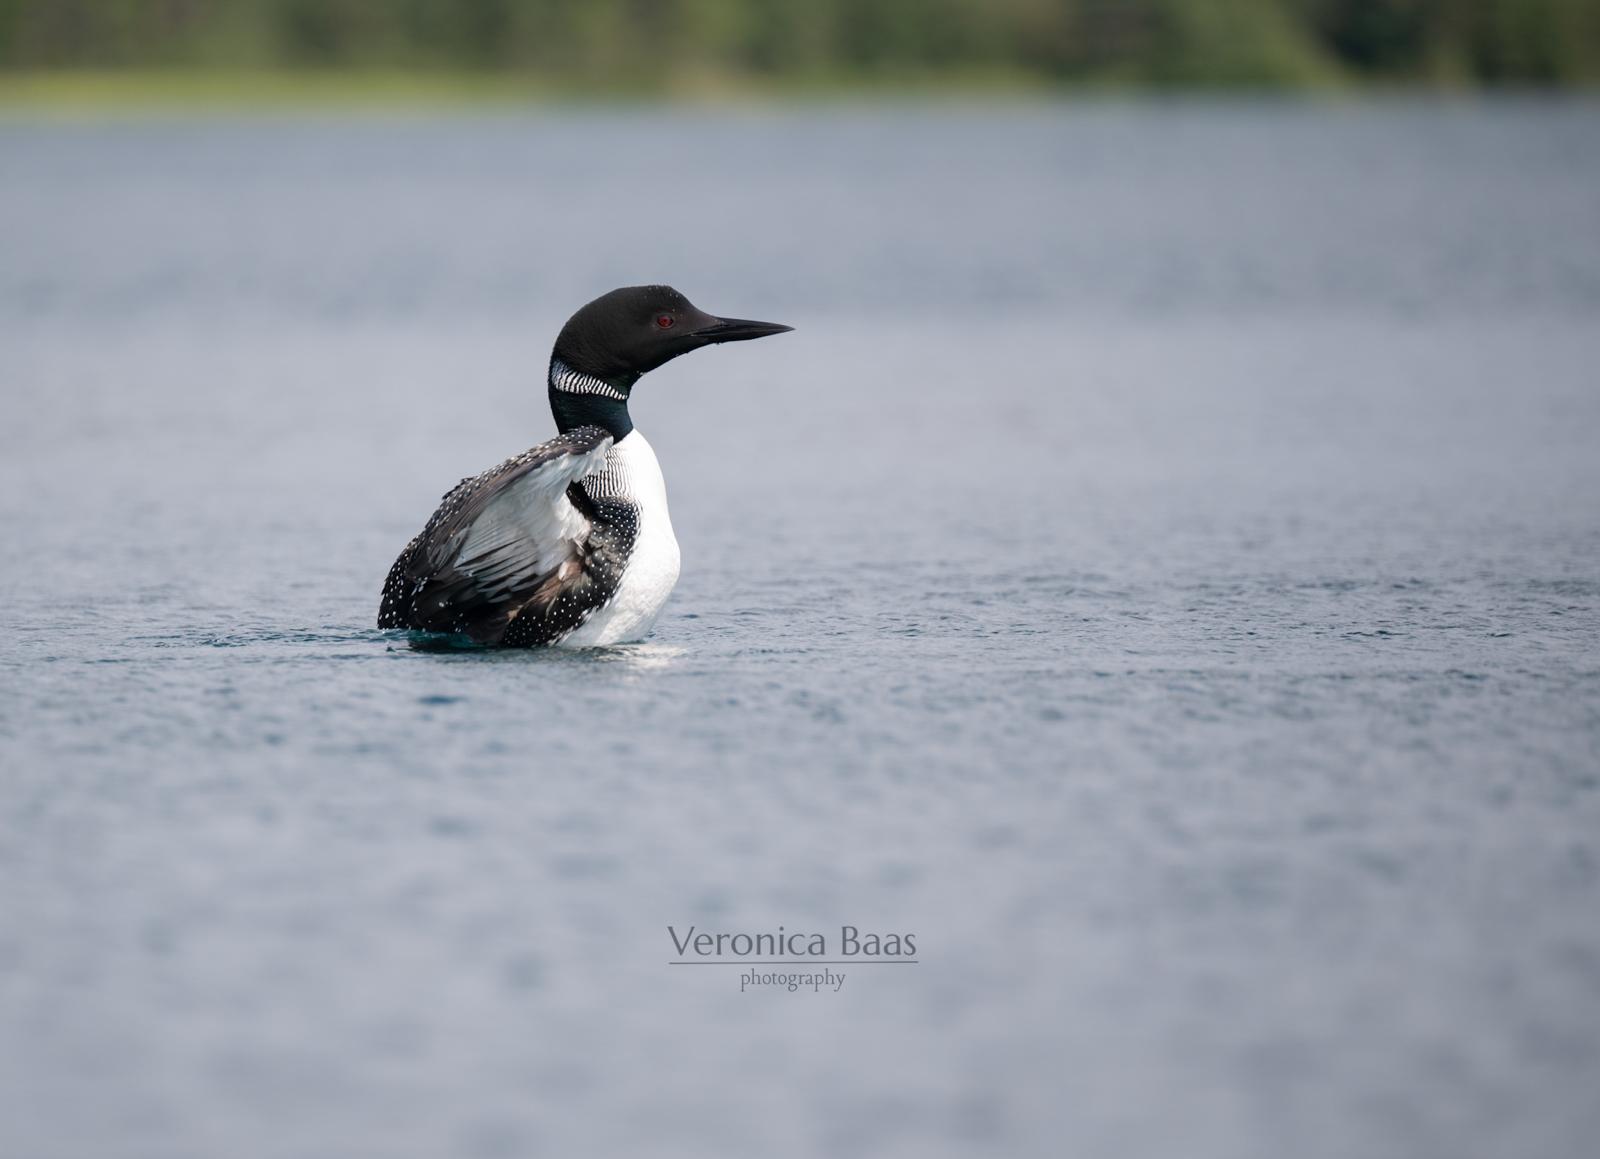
(642,658)
(1158,575)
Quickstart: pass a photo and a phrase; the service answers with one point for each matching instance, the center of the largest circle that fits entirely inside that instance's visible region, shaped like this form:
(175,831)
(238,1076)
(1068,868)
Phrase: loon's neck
(578,399)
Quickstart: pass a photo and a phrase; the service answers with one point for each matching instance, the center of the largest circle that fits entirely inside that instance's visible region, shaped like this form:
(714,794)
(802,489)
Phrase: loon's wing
(513,540)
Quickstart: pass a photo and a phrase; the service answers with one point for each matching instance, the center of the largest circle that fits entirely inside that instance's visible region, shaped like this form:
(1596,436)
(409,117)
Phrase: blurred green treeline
(665,44)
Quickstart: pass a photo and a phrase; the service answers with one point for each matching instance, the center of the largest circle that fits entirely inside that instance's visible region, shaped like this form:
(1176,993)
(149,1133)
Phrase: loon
(569,543)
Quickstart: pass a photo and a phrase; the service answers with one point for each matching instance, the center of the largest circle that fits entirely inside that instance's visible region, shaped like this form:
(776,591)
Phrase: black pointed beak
(737,330)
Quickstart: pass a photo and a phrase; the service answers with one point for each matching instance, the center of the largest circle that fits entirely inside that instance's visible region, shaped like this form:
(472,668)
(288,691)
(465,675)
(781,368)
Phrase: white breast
(652,568)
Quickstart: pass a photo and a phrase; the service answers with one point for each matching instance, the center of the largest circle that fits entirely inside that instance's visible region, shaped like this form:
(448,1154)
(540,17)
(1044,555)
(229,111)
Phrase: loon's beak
(737,330)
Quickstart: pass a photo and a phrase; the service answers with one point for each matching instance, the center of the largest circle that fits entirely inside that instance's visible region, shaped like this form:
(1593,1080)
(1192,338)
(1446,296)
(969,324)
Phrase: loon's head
(607,345)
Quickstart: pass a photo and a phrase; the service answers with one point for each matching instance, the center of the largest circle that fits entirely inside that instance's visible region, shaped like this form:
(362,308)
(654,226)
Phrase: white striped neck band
(564,378)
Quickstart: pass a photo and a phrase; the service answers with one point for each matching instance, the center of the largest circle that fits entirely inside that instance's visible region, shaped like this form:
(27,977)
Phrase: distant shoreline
(137,91)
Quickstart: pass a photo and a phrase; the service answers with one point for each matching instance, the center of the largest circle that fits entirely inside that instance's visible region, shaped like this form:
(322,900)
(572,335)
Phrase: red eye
(665,321)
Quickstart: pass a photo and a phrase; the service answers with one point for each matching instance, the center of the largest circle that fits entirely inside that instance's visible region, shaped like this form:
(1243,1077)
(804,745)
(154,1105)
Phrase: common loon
(569,543)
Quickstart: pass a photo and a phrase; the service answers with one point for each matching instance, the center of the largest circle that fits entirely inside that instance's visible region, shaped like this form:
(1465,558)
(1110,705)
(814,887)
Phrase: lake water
(1161,574)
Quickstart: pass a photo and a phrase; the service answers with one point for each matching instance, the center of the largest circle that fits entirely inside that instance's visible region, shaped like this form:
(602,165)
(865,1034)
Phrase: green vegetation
(53,50)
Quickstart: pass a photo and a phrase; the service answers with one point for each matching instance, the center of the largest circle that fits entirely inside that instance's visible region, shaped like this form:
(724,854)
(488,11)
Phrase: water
(1161,573)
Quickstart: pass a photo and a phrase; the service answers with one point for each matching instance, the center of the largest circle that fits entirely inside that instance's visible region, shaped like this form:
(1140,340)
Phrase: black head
(607,345)
(631,331)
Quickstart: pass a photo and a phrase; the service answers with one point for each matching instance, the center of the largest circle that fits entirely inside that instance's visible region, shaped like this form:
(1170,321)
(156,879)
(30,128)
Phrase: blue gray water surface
(1161,573)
